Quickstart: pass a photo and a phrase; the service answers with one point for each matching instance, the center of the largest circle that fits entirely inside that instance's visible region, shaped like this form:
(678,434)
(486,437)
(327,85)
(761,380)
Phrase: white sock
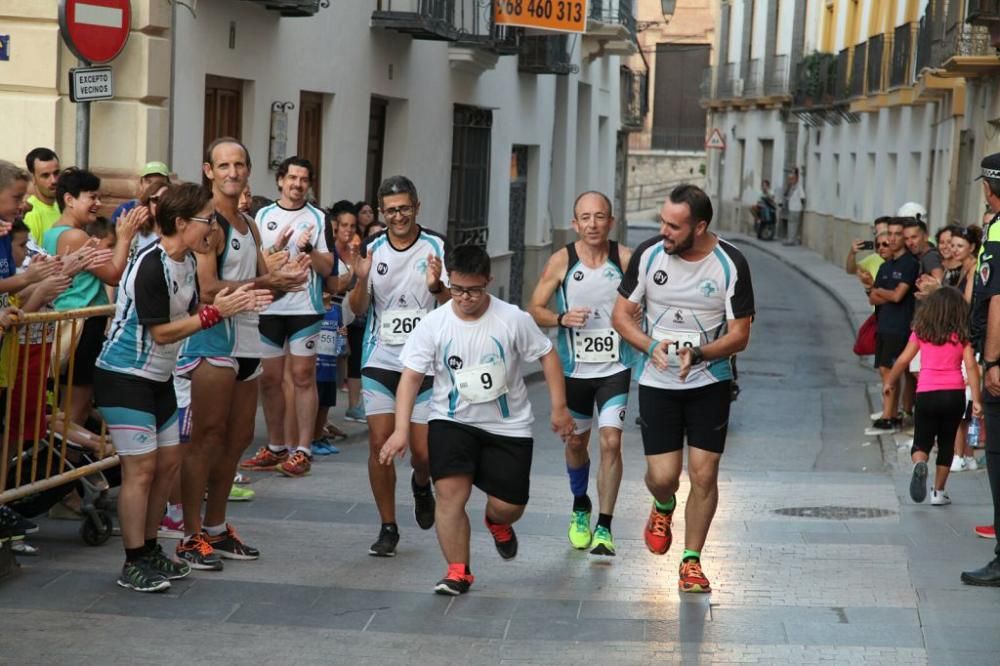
(215,530)
(276,448)
(307,451)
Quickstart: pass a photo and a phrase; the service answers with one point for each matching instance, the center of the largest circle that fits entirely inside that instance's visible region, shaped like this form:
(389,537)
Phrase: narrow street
(863,579)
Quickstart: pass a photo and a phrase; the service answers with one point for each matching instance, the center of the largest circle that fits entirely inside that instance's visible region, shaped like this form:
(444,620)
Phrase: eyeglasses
(597,217)
(210,221)
(883,244)
(471,292)
(399,211)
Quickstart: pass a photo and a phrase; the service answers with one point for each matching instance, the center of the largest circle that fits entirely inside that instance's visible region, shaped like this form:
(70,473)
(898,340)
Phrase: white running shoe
(939,498)
(971,464)
(959,464)
(876,415)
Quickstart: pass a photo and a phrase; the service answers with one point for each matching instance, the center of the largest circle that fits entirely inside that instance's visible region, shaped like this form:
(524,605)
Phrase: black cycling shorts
(499,466)
(669,416)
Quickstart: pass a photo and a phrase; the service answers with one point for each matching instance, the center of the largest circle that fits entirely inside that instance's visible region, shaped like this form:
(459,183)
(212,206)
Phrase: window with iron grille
(468,205)
(678,119)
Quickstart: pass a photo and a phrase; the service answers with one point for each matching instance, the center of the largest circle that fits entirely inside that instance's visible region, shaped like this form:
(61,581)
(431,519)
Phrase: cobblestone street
(787,589)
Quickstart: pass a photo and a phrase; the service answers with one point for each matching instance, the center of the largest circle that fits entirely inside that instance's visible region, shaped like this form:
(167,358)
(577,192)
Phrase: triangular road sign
(715,140)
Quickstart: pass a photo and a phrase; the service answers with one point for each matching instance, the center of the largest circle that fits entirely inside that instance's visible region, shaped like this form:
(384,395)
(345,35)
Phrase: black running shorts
(668,416)
(499,466)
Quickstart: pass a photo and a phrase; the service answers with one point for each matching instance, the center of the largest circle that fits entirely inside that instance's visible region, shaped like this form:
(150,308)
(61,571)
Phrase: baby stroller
(97,507)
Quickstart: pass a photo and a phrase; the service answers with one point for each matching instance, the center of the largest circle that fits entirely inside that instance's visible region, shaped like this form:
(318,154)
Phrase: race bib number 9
(678,340)
(398,324)
(483,383)
(595,345)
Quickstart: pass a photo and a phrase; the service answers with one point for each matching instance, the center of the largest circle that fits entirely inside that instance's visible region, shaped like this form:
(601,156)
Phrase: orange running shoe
(298,464)
(456,581)
(264,460)
(986,531)
(692,577)
(658,535)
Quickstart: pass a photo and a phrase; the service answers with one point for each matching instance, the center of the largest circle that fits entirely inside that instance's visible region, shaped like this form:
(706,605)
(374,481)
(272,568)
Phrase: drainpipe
(173,84)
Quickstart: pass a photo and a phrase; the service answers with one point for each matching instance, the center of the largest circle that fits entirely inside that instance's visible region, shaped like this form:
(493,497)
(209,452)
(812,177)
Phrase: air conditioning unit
(738,87)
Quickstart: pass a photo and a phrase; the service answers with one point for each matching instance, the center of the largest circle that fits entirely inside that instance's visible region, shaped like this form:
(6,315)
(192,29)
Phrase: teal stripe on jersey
(368,343)
(434,242)
(721,369)
(564,341)
(369,384)
(453,393)
(652,255)
(724,260)
(307,331)
(170,421)
(504,407)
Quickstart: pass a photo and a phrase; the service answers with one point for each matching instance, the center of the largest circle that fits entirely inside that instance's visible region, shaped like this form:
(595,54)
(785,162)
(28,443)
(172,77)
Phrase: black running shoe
(142,577)
(171,569)
(503,538)
(385,546)
(230,546)
(423,503)
(918,483)
(13,525)
(198,553)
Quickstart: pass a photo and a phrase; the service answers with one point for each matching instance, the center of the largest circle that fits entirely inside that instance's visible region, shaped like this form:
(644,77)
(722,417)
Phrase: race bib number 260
(398,324)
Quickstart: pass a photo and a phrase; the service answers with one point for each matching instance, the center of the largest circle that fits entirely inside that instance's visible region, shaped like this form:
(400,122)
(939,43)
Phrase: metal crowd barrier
(34,464)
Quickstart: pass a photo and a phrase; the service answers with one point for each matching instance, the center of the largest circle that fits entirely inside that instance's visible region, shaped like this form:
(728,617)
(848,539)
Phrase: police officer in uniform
(986,338)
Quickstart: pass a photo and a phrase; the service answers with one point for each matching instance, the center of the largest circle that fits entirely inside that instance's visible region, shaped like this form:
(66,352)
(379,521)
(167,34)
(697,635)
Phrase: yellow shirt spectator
(41,218)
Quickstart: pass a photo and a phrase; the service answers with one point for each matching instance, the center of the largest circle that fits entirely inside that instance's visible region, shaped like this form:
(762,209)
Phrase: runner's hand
(394,447)
(243,299)
(362,266)
(685,356)
(52,286)
(275,260)
(290,277)
(282,241)
(42,267)
(992,381)
(305,238)
(433,274)
(977,409)
(659,358)
(576,317)
(562,423)
(129,225)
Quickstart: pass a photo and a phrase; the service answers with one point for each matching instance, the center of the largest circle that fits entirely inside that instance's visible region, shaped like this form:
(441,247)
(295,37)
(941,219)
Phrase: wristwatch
(990,364)
(440,288)
(559,320)
(308,248)
(697,356)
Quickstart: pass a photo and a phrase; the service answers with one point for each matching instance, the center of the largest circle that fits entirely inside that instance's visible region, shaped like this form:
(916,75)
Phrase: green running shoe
(579,530)
(241,494)
(171,569)
(602,543)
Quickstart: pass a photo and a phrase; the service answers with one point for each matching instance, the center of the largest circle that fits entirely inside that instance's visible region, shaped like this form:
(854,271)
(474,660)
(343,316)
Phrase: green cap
(155,169)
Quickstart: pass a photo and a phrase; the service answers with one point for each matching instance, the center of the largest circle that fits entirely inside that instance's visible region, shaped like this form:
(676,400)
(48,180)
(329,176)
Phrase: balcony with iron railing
(777,76)
(982,12)
(967,49)
(902,58)
(634,92)
(465,22)
(545,54)
(293,8)
(815,81)
(842,80)
(611,28)
(726,84)
(859,63)
(876,67)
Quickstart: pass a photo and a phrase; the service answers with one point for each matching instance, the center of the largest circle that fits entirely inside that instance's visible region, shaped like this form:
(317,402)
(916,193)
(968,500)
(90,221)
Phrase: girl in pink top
(941,335)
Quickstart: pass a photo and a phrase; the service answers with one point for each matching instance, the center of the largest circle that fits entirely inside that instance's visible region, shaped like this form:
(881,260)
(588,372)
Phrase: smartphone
(867,245)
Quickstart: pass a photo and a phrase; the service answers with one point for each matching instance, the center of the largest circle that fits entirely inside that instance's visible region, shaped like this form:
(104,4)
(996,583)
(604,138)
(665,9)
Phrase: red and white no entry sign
(95,30)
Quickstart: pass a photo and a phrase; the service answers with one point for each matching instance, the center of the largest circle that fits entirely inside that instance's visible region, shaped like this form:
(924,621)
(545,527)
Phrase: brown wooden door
(223,108)
(311,133)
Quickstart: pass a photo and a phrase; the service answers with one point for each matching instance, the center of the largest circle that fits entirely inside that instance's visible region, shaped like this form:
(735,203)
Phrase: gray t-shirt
(930,260)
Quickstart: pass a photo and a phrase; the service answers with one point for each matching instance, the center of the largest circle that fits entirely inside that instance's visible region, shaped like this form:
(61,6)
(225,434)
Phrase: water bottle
(972,439)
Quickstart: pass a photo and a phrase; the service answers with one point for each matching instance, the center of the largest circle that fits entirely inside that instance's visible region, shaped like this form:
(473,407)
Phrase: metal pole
(83,130)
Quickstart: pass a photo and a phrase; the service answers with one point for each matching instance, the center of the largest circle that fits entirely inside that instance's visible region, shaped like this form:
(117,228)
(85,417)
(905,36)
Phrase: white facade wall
(338,54)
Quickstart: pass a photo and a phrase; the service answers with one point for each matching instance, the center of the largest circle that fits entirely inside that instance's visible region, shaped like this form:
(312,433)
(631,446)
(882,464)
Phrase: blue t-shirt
(122,209)
(7,267)
(895,318)
(328,345)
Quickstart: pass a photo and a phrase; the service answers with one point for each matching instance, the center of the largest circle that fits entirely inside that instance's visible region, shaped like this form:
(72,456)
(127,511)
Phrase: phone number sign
(559,15)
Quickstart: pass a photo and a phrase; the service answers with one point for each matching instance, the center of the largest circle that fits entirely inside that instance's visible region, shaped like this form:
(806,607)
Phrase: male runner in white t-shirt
(480,417)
